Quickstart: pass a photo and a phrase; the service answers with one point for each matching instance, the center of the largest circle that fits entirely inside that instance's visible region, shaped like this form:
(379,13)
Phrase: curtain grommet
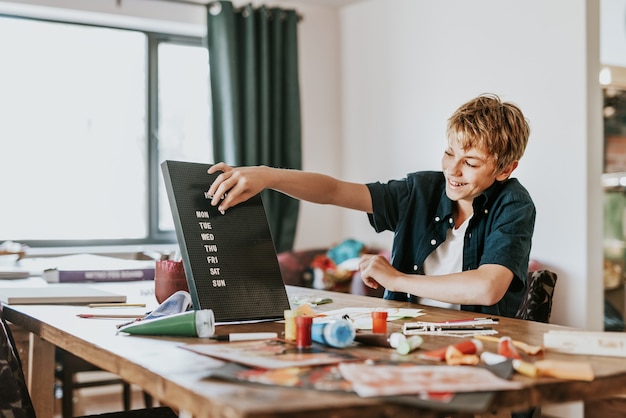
(215,8)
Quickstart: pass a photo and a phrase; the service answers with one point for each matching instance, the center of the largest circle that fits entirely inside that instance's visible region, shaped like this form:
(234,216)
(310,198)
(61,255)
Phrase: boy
(461,235)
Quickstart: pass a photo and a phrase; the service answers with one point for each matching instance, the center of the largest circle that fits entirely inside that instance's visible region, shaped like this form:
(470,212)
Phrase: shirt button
(486,211)
(433,242)
(451,221)
(437,218)
(415,267)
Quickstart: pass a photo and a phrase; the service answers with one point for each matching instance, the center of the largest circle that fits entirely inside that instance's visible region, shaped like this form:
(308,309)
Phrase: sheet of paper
(362,317)
(269,354)
(388,380)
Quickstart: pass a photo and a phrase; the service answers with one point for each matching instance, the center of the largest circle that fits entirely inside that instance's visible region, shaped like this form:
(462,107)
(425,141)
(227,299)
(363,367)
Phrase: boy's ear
(506,171)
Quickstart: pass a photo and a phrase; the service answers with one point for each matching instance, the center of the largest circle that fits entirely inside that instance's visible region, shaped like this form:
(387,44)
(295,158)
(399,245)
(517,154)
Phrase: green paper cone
(185,324)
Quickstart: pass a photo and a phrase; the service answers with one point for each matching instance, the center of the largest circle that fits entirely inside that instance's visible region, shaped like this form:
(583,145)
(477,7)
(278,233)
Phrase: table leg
(40,378)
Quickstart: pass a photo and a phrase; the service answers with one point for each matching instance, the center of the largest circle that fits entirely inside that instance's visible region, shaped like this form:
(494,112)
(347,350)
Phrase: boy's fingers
(219,167)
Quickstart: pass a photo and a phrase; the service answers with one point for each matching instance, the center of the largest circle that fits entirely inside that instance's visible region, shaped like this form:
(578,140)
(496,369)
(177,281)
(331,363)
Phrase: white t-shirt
(446,259)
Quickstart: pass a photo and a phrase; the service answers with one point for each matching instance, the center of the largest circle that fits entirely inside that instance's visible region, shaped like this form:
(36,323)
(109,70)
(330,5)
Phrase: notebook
(230,260)
(57,294)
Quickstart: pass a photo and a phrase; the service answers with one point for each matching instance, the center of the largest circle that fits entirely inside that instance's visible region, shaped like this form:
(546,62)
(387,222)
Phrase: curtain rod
(193,3)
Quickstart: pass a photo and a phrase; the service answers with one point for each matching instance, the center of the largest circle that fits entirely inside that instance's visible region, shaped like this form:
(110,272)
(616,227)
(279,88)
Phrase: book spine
(82,276)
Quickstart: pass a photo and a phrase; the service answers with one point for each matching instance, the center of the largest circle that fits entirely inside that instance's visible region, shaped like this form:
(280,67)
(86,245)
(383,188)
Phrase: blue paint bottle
(338,333)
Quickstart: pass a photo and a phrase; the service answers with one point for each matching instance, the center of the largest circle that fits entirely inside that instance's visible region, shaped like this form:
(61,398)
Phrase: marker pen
(245,336)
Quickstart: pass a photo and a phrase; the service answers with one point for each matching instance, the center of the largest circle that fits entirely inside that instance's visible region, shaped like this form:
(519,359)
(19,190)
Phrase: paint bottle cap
(396,338)
(409,344)
(205,323)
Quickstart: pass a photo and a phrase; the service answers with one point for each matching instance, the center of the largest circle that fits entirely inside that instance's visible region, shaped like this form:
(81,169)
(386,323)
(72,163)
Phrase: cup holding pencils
(169,277)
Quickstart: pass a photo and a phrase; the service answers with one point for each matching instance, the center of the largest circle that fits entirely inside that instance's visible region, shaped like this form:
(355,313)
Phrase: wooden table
(178,377)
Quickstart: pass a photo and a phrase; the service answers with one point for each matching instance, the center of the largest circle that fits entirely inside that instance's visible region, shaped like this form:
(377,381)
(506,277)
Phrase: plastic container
(379,322)
(303,331)
(169,277)
(290,324)
(339,333)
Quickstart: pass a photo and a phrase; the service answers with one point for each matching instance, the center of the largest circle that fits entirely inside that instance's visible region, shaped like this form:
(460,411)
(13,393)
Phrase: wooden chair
(68,366)
(536,306)
(15,399)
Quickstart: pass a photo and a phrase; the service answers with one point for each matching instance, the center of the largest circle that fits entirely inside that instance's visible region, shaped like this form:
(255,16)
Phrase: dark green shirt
(419,213)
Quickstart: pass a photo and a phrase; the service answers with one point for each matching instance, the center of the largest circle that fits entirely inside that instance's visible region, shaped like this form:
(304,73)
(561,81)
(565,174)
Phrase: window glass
(75,159)
(72,110)
(184,128)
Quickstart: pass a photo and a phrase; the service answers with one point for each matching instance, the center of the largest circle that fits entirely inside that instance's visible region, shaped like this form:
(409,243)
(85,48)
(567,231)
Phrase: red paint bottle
(303,331)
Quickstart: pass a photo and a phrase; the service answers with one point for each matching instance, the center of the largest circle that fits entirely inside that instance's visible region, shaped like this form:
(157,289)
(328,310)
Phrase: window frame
(154,236)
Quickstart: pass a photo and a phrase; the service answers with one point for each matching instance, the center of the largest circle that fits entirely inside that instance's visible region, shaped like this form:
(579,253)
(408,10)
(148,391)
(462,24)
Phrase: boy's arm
(241,183)
(485,285)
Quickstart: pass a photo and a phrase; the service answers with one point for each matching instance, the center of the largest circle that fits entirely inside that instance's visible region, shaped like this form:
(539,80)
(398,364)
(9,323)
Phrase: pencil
(116,305)
(109,316)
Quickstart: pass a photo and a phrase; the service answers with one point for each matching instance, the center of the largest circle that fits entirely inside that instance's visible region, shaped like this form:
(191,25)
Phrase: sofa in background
(299,268)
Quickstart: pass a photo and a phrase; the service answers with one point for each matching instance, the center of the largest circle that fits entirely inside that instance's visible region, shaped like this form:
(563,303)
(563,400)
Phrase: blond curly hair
(495,127)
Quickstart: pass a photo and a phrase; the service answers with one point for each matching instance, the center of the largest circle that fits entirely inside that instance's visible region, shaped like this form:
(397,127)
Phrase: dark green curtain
(253,55)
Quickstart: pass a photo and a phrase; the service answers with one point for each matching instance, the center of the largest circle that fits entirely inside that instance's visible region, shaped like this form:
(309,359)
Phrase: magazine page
(270,354)
(389,380)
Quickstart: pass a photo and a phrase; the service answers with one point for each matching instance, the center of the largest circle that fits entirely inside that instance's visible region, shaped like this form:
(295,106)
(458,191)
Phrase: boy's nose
(454,168)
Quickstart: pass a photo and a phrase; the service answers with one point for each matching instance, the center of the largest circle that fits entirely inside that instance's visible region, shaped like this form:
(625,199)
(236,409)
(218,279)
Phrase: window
(87,114)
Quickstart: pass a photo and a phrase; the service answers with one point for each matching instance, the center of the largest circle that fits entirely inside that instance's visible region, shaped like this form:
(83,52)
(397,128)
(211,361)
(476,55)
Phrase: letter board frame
(230,259)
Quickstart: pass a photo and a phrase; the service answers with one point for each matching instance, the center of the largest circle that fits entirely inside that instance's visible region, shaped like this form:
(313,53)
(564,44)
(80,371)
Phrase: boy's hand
(376,271)
(234,185)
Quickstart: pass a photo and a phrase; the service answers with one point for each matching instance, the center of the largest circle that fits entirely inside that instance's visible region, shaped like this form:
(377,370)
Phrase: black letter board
(230,259)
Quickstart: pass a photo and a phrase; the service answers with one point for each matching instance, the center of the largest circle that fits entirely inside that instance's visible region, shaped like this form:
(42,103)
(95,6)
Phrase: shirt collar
(481,203)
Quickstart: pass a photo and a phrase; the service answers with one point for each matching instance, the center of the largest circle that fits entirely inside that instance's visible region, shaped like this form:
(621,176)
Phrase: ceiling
(331,3)
(334,3)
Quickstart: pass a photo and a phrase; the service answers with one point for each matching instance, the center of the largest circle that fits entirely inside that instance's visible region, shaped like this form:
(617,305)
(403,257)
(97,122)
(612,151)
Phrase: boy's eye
(469,164)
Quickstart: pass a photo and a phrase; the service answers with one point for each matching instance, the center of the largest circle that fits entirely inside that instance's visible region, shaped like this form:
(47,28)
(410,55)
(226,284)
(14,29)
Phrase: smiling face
(486,139)
(469,172)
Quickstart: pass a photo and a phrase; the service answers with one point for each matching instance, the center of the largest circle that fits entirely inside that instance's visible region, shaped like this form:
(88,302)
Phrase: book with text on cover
(81,268)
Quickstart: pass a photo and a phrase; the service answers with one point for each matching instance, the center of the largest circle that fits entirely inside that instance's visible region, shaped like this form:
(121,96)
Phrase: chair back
(537,302)
(15,400)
